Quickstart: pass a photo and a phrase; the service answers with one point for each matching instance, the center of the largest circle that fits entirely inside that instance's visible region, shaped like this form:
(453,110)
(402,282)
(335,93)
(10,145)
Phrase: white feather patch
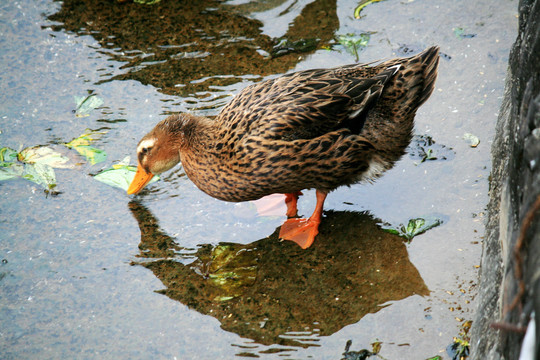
(375,170)
(147,143)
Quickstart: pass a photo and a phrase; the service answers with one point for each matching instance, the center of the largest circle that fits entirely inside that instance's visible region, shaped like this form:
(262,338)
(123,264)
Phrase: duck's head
(158,151)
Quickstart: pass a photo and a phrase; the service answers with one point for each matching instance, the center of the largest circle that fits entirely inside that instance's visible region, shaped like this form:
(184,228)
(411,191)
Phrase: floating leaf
(10,171)
(82,146)
(14,164)
(40,174)
(473,140)
(460,347)
(8,155)
(120,176)
(85,104)
(87,138)
(376,347)
(361,6)
(44,155)
(92,154)
(460,33)
(414,227)
(354,43)
(124,162)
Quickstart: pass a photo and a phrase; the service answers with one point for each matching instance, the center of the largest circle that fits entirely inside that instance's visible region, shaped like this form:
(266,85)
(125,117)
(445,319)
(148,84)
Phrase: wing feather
(306,104)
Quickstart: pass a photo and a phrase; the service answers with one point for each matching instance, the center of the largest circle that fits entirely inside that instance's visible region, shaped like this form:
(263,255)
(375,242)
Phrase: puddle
(173,273)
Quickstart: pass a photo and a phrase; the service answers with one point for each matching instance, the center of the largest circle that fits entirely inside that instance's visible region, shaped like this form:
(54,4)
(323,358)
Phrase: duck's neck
(196,132)
(197,155)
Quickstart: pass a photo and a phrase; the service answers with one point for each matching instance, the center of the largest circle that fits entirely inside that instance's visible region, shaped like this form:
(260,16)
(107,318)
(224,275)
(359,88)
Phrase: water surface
(93,273)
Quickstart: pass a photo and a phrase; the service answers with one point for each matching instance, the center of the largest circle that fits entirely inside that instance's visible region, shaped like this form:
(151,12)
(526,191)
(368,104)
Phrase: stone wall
(510,268)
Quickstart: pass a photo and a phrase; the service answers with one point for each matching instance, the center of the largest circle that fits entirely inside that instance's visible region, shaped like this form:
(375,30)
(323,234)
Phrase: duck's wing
(307,104)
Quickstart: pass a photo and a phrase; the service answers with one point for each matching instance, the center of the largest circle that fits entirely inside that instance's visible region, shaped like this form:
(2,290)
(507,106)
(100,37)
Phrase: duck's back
(310,103)
(319,128)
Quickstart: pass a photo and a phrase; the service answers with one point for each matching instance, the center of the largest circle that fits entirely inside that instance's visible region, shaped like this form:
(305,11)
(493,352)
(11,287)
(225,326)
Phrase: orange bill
(140,180)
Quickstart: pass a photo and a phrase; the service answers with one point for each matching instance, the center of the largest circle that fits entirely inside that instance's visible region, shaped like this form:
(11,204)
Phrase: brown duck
(319,129)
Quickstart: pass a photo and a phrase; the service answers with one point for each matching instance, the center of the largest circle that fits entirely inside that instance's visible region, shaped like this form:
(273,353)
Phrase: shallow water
(93,273)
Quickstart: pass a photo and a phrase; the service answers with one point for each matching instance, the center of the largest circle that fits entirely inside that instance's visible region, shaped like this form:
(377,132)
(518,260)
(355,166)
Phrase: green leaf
(82,146)
(413,228)
(87,138)
(460,33)
(7,155)
(120,176)
(376,347)
(10,171)
(40,174)
(354,43)
(37,172)
(361,6)
(85,104)
(393,231)
(124,162)
(473,140)
(44,155)
(91,154)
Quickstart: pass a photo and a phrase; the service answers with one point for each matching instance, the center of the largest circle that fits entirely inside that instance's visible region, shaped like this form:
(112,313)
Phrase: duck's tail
(410,83)
(413,82)
(430,64)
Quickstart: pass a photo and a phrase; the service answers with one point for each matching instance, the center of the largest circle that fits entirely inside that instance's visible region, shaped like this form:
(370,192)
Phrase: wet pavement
(89,272)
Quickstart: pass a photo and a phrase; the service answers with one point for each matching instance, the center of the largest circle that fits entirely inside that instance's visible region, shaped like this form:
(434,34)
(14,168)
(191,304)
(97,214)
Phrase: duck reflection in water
(276,293)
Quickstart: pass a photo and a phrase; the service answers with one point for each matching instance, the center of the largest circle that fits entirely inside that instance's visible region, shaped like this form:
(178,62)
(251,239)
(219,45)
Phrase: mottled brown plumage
(317,129)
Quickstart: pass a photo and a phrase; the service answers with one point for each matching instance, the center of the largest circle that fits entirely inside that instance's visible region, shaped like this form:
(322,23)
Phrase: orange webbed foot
(301,231)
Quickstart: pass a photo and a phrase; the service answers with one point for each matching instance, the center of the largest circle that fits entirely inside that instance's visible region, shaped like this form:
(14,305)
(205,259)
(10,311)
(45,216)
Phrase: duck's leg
(290,200)
(303,231)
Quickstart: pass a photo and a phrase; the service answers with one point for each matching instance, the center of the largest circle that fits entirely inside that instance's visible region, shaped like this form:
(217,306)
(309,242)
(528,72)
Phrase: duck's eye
(145,146)
(145,150)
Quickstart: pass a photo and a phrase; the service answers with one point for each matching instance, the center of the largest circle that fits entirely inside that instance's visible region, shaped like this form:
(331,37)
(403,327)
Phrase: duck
(313,129)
